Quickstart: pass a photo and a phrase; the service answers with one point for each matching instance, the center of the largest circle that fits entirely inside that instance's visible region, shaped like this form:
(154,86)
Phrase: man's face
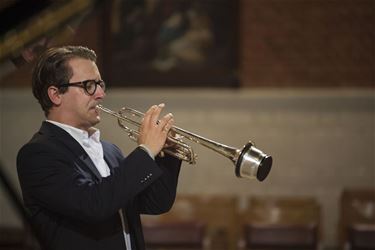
(78,107)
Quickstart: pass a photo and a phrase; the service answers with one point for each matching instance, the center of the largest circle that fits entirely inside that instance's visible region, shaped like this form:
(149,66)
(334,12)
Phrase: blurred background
(296,77)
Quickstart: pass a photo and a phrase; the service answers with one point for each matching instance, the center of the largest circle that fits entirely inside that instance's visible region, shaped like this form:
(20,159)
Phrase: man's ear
(54,95)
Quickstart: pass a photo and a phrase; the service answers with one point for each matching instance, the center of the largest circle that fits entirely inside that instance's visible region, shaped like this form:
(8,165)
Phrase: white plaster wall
(321,140)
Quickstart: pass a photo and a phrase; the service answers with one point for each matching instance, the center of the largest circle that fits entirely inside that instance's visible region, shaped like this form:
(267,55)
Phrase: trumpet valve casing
(253,163)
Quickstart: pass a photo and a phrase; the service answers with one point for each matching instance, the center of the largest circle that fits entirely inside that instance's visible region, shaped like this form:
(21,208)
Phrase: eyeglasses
(89,86)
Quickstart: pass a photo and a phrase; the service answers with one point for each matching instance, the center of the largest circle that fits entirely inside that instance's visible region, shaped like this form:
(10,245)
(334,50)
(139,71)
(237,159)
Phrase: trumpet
(249,162)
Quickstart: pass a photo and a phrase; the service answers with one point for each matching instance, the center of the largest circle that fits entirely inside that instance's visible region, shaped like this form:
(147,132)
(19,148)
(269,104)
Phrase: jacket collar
(71,144)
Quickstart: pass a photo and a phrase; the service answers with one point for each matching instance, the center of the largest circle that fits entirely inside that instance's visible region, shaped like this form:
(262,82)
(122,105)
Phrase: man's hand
(153,132)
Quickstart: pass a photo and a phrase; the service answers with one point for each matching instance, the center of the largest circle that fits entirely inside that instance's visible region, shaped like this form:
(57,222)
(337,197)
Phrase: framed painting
(171,43)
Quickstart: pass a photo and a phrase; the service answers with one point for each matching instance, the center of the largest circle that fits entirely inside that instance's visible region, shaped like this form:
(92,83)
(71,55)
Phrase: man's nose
(99,93)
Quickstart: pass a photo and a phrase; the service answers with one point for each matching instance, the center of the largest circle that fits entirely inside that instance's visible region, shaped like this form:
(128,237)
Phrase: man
(80,192)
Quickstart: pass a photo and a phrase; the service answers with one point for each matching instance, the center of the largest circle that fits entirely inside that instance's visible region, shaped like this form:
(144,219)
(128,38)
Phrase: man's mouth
(95,109)
(95,106)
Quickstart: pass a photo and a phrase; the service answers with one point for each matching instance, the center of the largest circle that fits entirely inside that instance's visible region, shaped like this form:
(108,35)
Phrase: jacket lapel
(71,144)
(109,157)
(87,160)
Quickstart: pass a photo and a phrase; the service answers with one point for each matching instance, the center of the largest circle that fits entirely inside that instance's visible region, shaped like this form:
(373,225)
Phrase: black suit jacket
(73,207)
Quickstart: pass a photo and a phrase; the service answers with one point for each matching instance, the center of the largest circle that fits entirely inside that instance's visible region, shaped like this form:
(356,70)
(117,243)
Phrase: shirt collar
(80,135)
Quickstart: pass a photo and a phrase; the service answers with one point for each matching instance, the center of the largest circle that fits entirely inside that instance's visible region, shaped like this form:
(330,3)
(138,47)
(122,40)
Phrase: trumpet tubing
(249,162)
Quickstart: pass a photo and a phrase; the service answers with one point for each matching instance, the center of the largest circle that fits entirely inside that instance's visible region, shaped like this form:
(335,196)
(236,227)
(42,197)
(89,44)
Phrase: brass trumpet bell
(250,162)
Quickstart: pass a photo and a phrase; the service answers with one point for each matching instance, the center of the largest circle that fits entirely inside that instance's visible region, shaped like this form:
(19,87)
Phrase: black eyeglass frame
(84,84)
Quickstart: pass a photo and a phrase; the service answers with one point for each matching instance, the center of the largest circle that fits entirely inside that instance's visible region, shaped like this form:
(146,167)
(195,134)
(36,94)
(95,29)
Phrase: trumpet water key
(249,162)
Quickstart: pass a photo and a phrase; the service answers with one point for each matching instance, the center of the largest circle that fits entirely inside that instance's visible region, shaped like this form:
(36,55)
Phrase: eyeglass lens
(92,85)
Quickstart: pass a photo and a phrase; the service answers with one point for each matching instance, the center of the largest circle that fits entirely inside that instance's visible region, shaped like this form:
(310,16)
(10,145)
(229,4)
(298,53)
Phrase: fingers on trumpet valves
(151,117)
(166,128)
(155,112)
(166,122)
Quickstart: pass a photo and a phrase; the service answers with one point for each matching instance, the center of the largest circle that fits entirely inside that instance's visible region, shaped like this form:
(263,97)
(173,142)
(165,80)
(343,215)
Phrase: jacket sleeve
(160,195)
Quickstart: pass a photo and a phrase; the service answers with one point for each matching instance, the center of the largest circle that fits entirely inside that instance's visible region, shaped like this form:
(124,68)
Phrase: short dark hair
(52,69)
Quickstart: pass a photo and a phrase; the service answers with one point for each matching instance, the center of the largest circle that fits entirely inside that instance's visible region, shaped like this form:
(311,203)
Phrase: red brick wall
(307,43)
